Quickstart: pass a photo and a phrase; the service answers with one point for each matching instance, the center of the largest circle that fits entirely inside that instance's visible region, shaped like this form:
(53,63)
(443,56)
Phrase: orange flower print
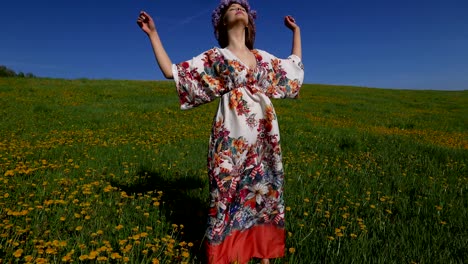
(270,113)
(236,97)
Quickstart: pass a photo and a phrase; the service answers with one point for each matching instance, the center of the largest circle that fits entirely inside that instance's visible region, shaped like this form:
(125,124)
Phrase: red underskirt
(265,241)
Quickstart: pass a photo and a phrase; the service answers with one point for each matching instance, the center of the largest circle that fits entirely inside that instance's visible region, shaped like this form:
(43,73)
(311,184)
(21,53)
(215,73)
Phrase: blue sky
(410,44)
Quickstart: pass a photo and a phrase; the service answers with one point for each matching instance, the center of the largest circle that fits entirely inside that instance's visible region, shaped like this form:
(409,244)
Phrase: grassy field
(112,171)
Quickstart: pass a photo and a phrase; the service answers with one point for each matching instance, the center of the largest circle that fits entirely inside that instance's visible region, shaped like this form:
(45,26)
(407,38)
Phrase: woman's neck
(236,38)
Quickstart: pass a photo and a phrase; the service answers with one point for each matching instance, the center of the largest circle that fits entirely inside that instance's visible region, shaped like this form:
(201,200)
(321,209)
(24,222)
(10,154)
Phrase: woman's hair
(220,29)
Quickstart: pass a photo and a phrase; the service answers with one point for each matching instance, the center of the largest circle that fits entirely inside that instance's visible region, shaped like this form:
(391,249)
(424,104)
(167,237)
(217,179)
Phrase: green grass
(113,171)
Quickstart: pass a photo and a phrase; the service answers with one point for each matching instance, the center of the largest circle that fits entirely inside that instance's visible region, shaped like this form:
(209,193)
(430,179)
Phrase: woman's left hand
(290,22)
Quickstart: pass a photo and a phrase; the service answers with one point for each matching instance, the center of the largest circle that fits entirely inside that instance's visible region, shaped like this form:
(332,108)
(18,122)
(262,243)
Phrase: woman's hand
(146,23)
(290,22)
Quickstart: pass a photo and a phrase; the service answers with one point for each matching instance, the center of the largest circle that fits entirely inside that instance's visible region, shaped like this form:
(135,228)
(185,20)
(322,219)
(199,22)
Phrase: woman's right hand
(146,23)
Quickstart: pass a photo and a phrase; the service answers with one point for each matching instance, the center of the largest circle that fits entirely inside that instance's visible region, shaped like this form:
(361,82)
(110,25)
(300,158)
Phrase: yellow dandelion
(18,253)
(102,258)
(291,250)
(155,261)
(115,255)
(372,206)
(443,222)
(330,238)
(93,254)
(288,208)
(83,257)
(353,235)
(51,251)
(41,260)
(78,228)
(190,244)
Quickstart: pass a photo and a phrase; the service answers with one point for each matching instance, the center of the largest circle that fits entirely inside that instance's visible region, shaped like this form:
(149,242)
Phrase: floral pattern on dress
(244,159)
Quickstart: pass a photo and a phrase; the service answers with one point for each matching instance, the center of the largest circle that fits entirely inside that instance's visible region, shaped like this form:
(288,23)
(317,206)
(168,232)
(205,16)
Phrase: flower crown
(217,14)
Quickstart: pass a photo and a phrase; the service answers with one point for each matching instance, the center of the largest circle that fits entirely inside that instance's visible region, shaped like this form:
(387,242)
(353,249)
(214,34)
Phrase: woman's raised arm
(146,23)
(296,43)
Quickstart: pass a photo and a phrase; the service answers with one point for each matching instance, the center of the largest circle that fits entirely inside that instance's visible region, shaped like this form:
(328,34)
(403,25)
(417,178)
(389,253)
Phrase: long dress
(246,215)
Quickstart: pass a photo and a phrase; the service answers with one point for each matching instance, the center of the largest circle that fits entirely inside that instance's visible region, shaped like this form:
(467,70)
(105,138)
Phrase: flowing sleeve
(283,78)
(199,80)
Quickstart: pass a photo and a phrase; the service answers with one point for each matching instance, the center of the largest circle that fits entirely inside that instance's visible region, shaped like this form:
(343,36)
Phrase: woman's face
(236,13)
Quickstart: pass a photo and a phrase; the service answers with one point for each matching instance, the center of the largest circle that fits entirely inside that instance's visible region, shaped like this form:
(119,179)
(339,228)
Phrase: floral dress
(246,216)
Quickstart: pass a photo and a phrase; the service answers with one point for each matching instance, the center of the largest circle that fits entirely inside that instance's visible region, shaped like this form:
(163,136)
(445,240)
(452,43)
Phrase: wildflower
(51,251)
(190,244)
(78,228)
(93,254)
(185,254)
(115,255)
(291,250)
(353,235)
(288,208)
(18,253)
(83,257)
(119,227)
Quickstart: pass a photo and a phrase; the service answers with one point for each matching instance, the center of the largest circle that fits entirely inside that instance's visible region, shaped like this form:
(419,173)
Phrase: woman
(246,216)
